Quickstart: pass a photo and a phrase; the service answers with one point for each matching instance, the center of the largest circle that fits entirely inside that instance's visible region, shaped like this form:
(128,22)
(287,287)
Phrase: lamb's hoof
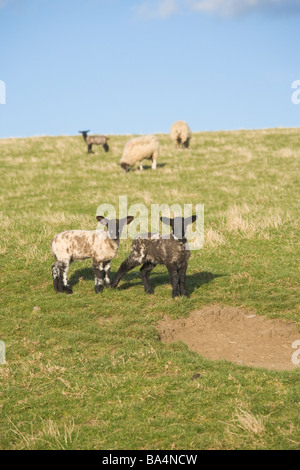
(98,289)
(58,286)
(59,290)
(68,290)
(149,291)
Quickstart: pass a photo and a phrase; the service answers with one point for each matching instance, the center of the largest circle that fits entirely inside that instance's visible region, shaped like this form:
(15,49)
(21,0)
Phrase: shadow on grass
(146,167)
(159,165)
(193,281)
(85,274)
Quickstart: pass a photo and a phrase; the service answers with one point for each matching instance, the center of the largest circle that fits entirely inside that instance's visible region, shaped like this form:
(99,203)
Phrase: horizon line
(157,133)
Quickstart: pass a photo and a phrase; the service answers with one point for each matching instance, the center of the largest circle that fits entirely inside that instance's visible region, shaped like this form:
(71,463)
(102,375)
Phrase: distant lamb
(139,149)
(170,251)
(100,245)
(181,134)
(95,140)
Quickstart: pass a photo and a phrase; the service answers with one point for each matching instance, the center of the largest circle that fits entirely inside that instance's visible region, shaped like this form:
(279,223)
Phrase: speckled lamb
(170,251)
(100,245)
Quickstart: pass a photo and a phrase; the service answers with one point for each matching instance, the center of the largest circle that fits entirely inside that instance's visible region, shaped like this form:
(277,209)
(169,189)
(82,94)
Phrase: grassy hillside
(87,371)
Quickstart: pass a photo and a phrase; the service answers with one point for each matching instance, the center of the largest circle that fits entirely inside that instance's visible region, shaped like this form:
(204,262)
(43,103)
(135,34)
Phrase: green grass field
(89,372)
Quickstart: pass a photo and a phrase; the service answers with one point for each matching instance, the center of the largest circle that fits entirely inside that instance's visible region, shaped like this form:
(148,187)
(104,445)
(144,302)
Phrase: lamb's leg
(174,278)
(141,166)
(66,286)
(57,278)
(182,277)
(106,267)
(130,263)
(99,276)
(145,271)
(59,274)
(90,148)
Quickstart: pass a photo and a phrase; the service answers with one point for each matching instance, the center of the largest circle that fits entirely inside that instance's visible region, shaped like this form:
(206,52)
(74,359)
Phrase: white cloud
(167,8)
(158,9)
(228,8)
(237,7)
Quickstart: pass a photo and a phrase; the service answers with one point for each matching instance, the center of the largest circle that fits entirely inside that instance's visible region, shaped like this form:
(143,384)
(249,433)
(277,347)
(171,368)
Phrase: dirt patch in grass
(236,335)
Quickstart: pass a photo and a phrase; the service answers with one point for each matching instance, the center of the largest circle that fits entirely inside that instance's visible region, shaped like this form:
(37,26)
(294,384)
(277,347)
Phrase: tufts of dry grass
(250,222)
(213,237)
(50,436)
(248,422)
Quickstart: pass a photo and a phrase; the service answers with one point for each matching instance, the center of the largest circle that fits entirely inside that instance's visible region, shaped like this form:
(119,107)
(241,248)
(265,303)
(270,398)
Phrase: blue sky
(130,66)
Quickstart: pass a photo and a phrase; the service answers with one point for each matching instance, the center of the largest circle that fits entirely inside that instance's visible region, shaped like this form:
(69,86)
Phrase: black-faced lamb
(181,134)
(171,251)
(100,245)
(138,149)
(91,140)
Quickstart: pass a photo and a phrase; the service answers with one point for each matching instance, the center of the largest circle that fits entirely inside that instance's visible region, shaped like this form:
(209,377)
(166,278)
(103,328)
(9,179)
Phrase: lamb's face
(114,226)
(84,134)
(179,225)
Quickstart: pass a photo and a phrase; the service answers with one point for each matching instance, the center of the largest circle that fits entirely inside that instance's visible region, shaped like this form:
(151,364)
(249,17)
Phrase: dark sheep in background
(95,140)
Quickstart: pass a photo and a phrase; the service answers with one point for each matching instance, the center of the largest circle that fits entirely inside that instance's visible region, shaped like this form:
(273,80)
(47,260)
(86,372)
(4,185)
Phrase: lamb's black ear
(190,220)
(167,221)
(102,219)
(129,219)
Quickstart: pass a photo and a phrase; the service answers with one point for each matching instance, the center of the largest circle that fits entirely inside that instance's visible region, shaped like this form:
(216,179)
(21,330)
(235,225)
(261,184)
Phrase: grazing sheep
(100,245)
(170,251)
(139,149)
(95,140)
(181,134)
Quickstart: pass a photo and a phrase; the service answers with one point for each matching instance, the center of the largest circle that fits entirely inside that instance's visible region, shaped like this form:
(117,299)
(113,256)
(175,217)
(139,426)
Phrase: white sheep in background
(139,149)
(181,134)
(102,246)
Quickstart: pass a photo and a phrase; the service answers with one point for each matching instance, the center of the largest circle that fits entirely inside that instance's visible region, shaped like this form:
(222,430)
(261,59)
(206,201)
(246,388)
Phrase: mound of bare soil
(235,335)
